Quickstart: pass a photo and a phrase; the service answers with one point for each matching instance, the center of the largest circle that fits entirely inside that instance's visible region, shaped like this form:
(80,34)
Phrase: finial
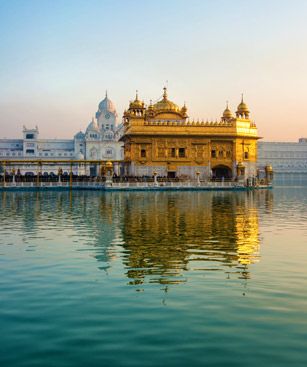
(106,93)
(165,93)
(227,105)
(136,95)
(241,97)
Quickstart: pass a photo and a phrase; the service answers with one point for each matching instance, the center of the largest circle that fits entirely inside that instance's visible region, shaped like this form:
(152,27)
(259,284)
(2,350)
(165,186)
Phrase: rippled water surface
(154,278)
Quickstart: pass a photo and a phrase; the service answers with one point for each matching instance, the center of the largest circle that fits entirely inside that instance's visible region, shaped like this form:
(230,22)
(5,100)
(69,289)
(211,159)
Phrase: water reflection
(166,235)
(157,237)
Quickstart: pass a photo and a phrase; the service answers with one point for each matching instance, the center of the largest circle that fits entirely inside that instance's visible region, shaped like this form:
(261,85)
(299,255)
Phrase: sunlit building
(160,139)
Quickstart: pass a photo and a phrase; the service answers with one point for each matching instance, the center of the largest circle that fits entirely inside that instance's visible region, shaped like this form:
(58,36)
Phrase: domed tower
(227,114)
(242,110)
(137,107)
(106,115)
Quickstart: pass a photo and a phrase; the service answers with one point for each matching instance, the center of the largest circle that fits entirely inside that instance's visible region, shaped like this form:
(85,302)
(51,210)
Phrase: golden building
(159,138)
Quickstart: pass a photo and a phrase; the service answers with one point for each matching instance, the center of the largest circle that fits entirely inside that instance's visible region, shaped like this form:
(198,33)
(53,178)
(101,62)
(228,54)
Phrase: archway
(221,171)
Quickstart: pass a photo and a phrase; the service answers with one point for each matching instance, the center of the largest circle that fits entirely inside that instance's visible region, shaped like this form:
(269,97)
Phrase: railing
(178,184)
(126,182)
(52,184)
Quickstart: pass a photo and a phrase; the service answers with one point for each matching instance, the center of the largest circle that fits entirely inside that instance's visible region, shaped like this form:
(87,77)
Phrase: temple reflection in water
(168,234)
(156,237)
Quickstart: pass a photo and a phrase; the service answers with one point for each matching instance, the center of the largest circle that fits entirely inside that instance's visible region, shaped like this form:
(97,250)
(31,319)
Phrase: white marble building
(100,141)
(284,157)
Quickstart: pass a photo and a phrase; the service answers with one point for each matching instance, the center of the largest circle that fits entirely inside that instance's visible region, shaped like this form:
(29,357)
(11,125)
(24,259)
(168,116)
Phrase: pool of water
(154,278)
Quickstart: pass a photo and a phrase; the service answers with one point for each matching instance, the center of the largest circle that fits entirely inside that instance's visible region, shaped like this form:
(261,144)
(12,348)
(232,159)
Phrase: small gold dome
(269,168)
(227,114)
(184,109)
(242,107)
(136,103)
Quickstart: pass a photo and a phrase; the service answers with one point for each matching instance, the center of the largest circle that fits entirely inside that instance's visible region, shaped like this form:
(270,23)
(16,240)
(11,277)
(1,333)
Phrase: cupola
(242,110)
(227,114)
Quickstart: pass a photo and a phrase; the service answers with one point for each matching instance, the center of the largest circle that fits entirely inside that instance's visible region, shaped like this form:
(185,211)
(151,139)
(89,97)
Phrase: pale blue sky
(58,57)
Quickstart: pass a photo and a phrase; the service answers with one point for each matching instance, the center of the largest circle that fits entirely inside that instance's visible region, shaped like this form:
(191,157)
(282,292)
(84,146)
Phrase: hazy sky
(58,57)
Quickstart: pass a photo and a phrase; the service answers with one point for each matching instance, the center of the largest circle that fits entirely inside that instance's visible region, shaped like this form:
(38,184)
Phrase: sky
(58,57)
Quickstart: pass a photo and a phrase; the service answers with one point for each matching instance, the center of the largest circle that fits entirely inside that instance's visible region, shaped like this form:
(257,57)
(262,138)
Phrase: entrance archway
(221,171)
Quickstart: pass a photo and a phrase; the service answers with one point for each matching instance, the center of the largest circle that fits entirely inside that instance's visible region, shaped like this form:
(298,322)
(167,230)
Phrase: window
(245,155)
(143,153)
(213,153)
(181,152)
(30,151)
(173,152)
(29,136)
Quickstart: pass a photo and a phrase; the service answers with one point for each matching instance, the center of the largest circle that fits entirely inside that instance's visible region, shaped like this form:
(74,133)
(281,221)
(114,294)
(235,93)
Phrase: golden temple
(159,139)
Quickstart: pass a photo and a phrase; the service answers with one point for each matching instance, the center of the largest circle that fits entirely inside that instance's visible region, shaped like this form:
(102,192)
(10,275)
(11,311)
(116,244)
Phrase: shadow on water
(158,237)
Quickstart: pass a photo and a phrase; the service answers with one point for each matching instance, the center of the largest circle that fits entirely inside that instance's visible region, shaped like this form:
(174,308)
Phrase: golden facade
(160,139)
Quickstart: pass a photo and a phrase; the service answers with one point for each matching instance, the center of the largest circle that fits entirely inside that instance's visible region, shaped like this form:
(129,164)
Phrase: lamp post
(70,176)
(60,172)
(198,178)
(39,167)
(4,173)
(268,174)
(109,169)
(13,174)
(155,178)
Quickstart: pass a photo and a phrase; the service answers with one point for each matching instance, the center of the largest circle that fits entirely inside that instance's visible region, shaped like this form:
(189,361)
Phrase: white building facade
(100,142)
(284,157)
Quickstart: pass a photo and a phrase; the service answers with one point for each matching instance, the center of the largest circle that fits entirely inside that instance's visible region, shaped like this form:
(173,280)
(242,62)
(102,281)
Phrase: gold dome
(227,114)
(165,104)
(242,107)
(184,109)
(136,103)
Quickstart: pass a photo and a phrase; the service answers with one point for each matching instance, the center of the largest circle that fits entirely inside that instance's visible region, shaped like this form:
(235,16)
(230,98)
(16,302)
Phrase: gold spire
(136,104)
(227,114)
(165,93)
(242,108)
